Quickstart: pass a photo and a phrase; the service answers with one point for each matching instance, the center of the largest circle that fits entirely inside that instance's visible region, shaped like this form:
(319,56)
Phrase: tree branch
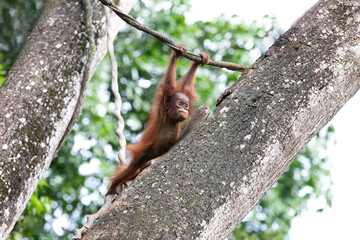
(206,184)
(167,41)
(39,97)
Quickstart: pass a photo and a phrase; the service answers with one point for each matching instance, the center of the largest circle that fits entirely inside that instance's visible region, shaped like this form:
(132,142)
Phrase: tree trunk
(40,95)
(210,180)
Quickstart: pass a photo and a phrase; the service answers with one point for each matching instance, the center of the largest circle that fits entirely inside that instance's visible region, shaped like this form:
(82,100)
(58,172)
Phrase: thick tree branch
(211,179)
(40,95)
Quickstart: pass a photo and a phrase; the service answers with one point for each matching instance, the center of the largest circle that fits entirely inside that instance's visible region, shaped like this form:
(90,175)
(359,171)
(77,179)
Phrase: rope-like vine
(115,91)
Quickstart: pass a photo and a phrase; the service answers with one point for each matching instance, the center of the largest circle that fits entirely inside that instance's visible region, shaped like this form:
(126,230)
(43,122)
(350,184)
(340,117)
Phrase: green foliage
(76,181)
(2,74)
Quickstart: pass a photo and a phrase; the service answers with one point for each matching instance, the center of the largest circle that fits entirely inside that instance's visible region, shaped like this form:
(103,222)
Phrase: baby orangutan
(172,104)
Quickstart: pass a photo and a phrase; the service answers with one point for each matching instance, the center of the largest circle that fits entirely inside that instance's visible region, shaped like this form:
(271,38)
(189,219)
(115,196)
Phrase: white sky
(342,220)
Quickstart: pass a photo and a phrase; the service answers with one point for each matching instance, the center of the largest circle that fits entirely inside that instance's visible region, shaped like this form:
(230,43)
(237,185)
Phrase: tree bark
(211,179)
(40,95)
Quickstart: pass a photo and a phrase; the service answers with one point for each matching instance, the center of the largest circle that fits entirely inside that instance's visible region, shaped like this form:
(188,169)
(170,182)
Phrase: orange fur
(161,132)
